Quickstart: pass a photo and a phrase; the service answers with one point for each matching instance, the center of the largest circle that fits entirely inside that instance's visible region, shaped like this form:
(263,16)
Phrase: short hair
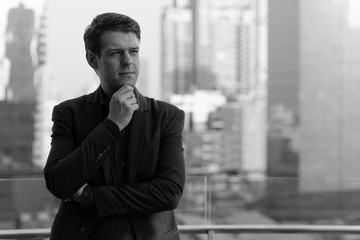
(108,22)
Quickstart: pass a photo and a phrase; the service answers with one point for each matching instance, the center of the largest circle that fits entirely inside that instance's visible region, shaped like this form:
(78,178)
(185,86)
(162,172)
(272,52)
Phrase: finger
(123,90)
(134,107)
(127,95)
(132,100)
(123,97)
(131,96)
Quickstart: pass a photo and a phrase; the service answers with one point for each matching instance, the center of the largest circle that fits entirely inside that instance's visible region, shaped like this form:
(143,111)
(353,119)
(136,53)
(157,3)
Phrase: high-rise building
(313,92)
(211,45)
(19,33)
(228,120)
(46,93)
(24,119)
(18,108)
(225,51)
(225,42)
(177,51)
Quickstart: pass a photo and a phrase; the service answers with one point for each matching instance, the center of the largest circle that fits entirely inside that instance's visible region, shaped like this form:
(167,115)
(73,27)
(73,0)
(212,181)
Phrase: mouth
(126,73)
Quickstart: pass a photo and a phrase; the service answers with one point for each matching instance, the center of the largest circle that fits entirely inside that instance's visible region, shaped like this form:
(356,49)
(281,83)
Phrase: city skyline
(270,95)
(66,61)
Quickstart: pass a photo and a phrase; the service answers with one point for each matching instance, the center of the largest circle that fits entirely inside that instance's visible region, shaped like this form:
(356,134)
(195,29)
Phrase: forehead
(118,39)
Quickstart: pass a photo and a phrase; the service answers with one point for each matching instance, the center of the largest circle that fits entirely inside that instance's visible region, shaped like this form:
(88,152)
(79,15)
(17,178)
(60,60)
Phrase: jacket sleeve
(162,193)
(69,166)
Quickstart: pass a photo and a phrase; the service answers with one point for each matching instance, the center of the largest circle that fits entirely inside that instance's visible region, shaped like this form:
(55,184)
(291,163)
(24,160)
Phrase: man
(116,157)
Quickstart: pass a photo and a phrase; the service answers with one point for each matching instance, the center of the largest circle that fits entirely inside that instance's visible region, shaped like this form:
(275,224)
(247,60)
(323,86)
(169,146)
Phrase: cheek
(111,68)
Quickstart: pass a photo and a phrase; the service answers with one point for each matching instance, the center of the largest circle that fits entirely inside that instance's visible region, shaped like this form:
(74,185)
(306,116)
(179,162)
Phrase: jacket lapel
(136,137)
(93,114)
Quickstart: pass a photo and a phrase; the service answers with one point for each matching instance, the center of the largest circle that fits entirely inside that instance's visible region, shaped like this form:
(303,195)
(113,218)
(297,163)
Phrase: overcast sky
(67,22)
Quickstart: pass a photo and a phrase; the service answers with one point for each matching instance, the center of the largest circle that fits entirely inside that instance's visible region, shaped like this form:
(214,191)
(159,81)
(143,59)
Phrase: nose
(127,59)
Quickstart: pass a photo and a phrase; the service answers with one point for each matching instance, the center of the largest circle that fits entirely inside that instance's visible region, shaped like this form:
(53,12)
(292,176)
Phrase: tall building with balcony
(313,94)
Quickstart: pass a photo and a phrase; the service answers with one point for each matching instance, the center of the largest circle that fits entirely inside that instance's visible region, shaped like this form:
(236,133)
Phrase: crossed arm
(69,167)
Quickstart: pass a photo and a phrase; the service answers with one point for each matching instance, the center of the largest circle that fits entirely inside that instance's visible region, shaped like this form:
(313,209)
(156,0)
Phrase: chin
(123,84)
(127,80)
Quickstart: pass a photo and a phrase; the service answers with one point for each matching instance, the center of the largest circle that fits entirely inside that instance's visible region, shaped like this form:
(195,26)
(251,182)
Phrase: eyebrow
(121,49)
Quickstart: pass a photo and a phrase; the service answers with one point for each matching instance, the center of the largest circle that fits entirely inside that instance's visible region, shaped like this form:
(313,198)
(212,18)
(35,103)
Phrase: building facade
(313,85)
(225,51)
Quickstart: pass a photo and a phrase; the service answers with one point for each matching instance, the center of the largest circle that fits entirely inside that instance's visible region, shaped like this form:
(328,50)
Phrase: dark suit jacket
(80,147)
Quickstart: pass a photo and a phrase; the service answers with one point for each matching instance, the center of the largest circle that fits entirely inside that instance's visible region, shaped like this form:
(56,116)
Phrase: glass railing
(216,206)
(25,203)
(229,232)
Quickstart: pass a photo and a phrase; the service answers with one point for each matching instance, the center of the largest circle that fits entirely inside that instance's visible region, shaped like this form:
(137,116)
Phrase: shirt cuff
(113,128)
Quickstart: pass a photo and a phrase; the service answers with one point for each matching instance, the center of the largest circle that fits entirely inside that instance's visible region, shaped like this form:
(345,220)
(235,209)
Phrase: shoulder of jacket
(75,102)
(164,106)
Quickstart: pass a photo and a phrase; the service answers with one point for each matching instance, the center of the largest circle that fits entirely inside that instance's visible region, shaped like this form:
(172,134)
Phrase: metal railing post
(211,235)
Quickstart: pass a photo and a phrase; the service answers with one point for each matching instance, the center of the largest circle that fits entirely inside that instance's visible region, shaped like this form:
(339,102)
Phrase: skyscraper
(225,42)
(46,93)
(19,33)
(313,89)
(177,61)
(18,108)
(225,50)
(212,45)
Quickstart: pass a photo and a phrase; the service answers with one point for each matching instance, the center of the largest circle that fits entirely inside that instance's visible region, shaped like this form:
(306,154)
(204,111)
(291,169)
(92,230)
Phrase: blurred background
(271,91)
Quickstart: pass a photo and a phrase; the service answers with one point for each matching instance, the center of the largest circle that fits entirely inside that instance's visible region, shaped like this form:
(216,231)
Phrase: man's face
(118,63)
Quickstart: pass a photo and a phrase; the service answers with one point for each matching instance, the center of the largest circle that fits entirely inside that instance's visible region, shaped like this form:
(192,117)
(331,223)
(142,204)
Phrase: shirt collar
(104,100)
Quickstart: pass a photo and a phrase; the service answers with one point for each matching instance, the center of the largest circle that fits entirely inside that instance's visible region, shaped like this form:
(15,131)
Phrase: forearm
(143,198)
(163,192)
(69,167)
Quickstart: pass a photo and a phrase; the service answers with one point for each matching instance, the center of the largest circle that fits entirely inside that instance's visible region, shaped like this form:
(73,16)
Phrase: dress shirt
(115,227)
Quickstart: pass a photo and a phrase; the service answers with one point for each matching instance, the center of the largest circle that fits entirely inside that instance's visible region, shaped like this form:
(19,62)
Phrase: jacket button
(97,159)
(100,155)
(82,229)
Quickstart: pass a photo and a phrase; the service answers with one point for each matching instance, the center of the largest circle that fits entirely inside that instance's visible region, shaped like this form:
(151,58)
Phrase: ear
(91,59)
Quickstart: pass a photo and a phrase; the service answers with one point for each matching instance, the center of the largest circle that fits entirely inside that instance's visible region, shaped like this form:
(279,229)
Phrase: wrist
(119,125)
